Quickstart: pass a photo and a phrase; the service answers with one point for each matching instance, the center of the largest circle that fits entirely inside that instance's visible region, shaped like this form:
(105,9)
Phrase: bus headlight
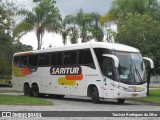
(133,88)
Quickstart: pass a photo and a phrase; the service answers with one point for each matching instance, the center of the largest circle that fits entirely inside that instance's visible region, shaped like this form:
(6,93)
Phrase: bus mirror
(116,60)
(150,60)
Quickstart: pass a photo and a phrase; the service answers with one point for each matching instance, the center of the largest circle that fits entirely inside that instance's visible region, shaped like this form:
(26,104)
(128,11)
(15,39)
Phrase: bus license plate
(134,95)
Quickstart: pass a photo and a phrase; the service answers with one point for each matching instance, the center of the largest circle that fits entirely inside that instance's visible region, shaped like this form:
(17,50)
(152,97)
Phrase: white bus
(98,70)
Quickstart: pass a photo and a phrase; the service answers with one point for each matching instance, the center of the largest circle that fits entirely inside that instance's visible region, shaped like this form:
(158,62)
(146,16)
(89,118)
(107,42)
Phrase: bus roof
(111,46)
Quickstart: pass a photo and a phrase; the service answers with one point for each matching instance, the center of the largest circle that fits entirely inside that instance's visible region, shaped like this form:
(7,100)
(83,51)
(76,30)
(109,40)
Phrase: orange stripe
(74,77)
(26,71)
(25,53)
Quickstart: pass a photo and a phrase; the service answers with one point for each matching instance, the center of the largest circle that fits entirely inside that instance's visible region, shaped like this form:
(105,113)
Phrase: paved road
(72,103)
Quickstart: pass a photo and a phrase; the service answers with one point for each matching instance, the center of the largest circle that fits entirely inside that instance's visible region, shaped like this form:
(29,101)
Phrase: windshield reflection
(131,67)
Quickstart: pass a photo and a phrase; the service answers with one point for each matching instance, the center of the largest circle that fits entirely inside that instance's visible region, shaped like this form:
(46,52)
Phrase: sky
(66,7)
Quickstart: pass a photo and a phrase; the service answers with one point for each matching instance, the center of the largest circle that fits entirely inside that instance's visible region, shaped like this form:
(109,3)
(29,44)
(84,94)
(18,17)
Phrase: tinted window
(85,58)
(59,58)
(70,57)
(108,68)
(33,59)
(44,59)
(53,58)
(23,61)
(17,61)
(66,58)
(81,57)
(88,59)
(56,58)
(73,57)
(99,54)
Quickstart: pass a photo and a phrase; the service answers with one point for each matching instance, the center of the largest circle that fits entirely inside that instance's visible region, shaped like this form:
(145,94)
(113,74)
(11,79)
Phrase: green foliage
(6,50)
(19,47)
(120,9)
(83,25)
(154,96)
(69,28)
(23,100)
(44,17)
(142,32)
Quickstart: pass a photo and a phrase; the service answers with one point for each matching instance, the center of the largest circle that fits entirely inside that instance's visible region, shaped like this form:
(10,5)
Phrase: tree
(83,25)
(69,28)
(142,32)
(96,29)
(44,17)
(6,48)
(19,47)
(120,8)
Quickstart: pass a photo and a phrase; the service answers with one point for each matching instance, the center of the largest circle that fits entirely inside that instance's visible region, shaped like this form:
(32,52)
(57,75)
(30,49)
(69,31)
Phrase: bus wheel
(35,90)
(27,90)
(59,96)
(95,95)
(9,84)
(121,101)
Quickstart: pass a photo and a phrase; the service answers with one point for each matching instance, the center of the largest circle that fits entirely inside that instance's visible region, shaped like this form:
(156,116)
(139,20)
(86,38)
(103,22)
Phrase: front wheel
(120,101)
(95,95)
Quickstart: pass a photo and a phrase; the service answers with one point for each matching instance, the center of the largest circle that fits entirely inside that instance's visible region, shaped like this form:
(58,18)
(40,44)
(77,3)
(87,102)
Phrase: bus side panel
(79,87)
(15,83)
(92,77)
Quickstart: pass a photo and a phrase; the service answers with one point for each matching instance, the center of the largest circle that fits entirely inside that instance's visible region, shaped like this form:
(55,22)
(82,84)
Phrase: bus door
(107,71)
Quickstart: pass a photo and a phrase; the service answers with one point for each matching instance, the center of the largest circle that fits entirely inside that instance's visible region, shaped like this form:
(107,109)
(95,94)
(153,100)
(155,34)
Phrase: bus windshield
(131,68)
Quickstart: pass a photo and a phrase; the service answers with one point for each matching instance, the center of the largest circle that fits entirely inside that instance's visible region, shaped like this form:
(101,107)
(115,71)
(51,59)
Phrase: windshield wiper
(137,72)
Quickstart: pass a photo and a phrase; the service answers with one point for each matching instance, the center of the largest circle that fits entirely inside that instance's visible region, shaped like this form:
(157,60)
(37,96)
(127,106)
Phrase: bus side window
(16,61)
(44,59)
(54,58)
(108,68)
(81,57)
(70,57)
(23,62)
(99,54)
(73,57)
(66,57)
(33,60)
(59,58)
(88,59)
(85,58)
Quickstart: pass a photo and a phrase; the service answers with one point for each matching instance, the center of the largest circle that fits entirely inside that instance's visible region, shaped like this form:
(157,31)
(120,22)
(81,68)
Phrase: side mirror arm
(150,60)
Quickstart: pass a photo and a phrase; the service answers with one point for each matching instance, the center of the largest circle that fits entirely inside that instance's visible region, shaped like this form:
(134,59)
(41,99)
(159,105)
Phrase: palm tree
(96,31)
(44,17)
(69,29)
(83,20)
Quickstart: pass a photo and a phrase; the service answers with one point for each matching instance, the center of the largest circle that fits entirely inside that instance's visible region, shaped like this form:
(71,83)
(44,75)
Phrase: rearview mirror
(115,58)
(150,60)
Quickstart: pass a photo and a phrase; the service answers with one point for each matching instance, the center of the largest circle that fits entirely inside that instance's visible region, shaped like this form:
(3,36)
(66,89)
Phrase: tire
(95,95)
(59,96)
(10,84)
(35,90)
(120,101)
(27,90)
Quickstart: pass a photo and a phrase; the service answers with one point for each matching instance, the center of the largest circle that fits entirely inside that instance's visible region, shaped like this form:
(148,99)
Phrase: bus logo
(65,70)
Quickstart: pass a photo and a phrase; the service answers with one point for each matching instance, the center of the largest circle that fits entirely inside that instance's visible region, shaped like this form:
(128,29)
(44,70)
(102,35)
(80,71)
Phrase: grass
(23,100)
(154,96)
(7,91)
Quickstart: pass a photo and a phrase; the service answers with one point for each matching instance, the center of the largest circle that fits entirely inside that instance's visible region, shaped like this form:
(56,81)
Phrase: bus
(97,70)
(6,80)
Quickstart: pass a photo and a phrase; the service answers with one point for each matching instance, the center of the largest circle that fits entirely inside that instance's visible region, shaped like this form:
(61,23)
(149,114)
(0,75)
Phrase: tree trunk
(38,40)
(148,80)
